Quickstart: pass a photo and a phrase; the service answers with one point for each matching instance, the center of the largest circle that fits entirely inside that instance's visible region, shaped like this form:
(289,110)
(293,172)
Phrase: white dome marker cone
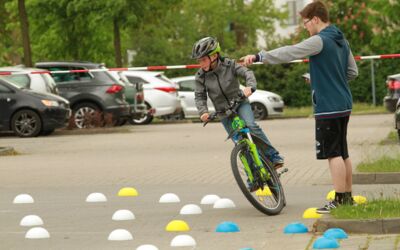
(169,198)
(147,247)
(96,197)
(31,220)
(123,215)
(183,240)
(23,198)
(190,209)
(120,234)
(37,233)
(224,203)
(209,199)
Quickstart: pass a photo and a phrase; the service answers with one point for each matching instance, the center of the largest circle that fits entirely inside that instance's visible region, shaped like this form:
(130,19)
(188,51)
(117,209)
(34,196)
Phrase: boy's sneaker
(327,208)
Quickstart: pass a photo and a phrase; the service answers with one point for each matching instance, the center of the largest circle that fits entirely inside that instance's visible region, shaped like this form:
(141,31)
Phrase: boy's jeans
(247,115)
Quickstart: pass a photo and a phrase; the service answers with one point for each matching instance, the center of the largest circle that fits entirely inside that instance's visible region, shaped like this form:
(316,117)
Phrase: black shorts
(330,135)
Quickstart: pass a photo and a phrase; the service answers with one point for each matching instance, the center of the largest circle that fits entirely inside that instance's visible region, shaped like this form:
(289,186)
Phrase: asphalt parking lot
(59,171)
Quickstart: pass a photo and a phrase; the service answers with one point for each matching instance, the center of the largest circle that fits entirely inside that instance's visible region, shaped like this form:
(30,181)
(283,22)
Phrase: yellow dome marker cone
(331,195)
(128,191)
(359,199)
(265,192)
(177,226)
(311,213)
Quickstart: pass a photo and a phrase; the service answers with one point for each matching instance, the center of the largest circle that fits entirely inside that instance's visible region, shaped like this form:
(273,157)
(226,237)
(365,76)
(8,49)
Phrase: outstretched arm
(306,48)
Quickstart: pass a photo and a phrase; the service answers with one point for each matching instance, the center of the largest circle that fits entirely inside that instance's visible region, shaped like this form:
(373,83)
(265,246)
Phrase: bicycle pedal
(283,171)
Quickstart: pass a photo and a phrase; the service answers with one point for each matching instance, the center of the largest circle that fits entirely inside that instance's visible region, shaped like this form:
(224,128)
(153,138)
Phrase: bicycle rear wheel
(271,199)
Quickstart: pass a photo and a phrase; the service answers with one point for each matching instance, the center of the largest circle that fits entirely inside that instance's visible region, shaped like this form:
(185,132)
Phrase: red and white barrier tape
(155,68)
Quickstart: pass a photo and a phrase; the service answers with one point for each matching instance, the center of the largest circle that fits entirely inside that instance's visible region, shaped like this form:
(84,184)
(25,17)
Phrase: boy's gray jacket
(221,84)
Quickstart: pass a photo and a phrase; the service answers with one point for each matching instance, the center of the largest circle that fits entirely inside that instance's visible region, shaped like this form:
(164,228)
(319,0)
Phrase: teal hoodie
(330,89)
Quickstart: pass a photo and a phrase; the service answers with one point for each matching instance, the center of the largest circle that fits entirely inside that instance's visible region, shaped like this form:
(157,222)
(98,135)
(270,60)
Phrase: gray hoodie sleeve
(306,48)
(352,70)
(200,97)
(247,74)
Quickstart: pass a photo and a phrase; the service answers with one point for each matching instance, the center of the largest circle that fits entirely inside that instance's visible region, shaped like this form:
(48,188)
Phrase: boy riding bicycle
(218,78)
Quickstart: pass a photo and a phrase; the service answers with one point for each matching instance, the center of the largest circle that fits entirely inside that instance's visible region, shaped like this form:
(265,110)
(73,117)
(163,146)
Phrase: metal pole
(373,83)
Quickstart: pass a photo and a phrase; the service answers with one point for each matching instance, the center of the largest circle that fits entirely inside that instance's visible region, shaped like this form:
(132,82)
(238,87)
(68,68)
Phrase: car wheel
(121,122)
(47,132)
(26,123)
(87,115)
(146,119)
(259,111)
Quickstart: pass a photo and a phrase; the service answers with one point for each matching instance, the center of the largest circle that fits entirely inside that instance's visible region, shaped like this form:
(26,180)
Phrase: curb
(6,151)
(371,226)
(376,178)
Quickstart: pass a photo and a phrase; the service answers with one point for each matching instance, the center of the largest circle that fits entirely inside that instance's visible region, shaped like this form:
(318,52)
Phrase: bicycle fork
(256,160)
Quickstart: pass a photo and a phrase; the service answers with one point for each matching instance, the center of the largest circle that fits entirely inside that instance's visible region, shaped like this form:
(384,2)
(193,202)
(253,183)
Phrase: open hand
(247,60)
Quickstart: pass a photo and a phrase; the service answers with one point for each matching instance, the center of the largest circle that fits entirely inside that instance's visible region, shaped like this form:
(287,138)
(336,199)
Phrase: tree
(25,33)
(10,46)
(169,28)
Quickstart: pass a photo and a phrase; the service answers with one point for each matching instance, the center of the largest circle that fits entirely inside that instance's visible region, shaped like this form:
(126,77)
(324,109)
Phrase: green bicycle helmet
(206,46)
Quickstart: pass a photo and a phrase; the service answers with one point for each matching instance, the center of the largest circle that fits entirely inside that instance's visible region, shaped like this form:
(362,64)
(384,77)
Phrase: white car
(160,94)
(43,82)
(263,103)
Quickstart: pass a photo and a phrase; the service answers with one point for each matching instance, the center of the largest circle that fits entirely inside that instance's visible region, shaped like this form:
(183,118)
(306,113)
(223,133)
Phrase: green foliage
(10,45)
(384,164)
(371,26)
(375,209)
(168,31)
(162,32)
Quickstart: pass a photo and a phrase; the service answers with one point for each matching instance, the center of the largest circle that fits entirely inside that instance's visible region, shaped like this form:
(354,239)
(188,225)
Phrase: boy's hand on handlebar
(204,117)
(247,91)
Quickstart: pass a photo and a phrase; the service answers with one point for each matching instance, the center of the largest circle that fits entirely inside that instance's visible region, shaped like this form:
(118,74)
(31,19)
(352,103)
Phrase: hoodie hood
(335,34)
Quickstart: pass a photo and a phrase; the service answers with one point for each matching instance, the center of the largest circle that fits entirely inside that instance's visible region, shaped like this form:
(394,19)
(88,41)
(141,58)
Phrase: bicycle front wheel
(270,199)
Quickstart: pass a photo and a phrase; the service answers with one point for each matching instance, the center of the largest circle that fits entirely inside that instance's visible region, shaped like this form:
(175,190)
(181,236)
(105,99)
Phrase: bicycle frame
(240,129)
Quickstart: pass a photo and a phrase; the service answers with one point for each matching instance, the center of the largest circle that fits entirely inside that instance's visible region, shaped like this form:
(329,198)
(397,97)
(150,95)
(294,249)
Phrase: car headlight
(274,99)
(49,103)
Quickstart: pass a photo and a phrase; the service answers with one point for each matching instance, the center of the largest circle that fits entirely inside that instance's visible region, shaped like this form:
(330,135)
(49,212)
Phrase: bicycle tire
(274,183)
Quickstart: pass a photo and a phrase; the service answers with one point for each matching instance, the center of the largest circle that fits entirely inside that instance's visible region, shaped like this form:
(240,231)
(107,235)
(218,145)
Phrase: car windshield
(164,78)
(11,83)
(22,81)
(50,83)
(119,77)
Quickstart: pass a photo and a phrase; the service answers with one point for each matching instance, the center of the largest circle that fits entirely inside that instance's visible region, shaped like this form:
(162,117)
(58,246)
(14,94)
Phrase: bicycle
(257,178)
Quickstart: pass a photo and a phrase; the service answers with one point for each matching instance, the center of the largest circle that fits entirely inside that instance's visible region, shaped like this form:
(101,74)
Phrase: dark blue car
(29,113)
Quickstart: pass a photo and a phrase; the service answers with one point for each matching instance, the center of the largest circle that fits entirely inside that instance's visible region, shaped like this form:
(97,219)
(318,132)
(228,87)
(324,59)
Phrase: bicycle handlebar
(231,109)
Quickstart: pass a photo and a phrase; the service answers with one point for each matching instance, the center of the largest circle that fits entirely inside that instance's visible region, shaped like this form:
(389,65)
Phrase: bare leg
(338,173)
(349,174)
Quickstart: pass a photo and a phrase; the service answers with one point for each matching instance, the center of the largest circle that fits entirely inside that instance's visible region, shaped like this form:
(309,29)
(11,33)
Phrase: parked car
(397,118)
(160,95)
(96,98)
(39,82)
(134,94)
(393,92)
(263,103)
(29,113)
